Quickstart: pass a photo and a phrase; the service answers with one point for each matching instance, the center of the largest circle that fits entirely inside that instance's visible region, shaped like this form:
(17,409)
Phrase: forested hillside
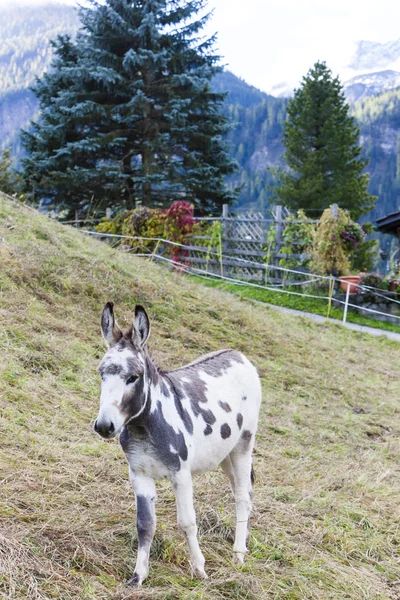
(257,117)
(379,118)
(255,137)
(25,53)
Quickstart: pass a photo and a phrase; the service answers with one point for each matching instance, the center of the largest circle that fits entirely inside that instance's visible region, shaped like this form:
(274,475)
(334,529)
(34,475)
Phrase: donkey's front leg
(183,487)
(145,492)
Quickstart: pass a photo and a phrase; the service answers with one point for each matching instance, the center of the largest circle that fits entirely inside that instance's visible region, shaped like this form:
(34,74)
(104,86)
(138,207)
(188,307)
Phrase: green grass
(326,501)
(312,305)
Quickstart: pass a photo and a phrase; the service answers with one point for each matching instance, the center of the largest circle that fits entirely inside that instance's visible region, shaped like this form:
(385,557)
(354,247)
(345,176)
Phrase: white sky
(270,41)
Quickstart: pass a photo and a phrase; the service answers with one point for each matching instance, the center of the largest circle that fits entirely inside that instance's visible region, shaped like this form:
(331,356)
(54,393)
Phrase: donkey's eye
(131,379)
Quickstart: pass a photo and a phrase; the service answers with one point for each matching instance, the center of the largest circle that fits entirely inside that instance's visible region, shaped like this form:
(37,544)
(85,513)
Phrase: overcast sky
(270,41)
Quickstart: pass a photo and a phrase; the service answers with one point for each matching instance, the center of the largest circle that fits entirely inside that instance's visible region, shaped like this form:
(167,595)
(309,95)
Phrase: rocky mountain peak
(371,84)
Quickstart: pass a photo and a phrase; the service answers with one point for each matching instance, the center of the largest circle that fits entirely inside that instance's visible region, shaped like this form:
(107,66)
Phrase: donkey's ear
(141,327)
(109,328)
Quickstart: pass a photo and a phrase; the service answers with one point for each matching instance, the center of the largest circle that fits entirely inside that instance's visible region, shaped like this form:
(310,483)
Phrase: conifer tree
(128,114)
(322,149)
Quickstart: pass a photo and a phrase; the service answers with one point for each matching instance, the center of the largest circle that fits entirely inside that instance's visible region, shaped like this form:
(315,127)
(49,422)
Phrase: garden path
(391,335)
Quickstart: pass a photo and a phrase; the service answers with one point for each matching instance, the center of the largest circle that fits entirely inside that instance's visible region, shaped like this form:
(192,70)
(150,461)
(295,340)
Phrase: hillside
(379,118)
(255,138)
(25,53)
(327,499)
(370,84)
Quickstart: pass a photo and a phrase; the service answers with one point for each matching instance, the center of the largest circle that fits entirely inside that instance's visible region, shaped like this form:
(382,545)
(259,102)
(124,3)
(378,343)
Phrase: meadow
(326,513)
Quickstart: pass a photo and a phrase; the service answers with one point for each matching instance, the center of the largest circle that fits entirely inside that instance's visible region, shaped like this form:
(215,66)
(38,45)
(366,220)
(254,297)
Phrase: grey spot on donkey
(225,431)
(174,424)
(225,406)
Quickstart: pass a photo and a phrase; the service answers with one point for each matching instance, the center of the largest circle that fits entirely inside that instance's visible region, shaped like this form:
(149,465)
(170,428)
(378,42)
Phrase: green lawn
(297,302)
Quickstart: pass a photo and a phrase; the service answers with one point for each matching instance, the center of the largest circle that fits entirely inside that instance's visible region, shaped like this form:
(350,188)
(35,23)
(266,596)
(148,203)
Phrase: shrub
(337,241)
(297,239)
(352,236)
(179,226)
(364,257)
(175,224)
(374,280)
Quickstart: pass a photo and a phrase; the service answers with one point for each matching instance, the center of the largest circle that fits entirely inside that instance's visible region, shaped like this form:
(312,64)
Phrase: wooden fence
(248,242)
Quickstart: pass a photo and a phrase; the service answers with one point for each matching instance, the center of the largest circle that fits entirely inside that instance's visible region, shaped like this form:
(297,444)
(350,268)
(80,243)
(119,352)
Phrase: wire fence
(311,285)
(244,235)
(316,282)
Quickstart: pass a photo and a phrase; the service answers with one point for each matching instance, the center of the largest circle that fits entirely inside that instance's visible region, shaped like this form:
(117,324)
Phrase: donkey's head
(123,371)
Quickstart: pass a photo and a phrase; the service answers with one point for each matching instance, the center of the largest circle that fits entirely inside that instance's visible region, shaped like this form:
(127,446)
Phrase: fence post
(225,235)
(335,210)
(278,235)
(346,306)
(331,289)
(108,213)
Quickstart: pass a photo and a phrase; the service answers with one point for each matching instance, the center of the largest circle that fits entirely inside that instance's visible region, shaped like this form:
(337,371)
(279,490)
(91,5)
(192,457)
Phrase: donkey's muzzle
(104,428)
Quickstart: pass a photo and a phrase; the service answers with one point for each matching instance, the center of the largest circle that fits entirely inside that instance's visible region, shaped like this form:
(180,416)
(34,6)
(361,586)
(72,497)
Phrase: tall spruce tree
(128,114)
(322,149)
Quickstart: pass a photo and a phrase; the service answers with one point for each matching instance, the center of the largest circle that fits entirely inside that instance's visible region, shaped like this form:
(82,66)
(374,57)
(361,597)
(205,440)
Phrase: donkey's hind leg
(183,486)
(241,459)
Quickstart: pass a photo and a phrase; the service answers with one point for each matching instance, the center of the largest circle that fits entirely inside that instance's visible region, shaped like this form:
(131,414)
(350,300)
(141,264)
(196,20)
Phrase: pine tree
(322,149)
(128,114)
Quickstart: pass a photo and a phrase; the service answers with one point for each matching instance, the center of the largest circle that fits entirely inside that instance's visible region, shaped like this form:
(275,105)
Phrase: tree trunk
(129,191)
(147,163)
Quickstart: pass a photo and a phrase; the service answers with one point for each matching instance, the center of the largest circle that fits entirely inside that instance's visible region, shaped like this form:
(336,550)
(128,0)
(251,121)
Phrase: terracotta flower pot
(350,280)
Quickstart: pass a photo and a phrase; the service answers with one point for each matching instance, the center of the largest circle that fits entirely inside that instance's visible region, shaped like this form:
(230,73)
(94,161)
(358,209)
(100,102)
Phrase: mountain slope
(255,138)
(238,91)
(327,490)
(370,84)
(24,41)
(25,53)
(379,118)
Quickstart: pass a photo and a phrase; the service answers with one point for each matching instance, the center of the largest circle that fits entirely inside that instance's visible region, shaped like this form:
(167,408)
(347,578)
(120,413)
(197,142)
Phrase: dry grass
(326,516)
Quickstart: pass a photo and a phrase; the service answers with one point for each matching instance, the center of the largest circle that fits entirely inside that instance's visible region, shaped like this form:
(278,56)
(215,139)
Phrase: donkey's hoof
(238,558)
(200,573)
(134,581)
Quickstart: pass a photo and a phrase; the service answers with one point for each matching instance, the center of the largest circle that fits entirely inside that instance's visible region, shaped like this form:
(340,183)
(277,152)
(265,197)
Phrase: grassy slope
(325,522)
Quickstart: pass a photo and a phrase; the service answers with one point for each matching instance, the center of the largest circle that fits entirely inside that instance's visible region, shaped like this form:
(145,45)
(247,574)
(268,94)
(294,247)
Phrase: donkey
(174,424)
